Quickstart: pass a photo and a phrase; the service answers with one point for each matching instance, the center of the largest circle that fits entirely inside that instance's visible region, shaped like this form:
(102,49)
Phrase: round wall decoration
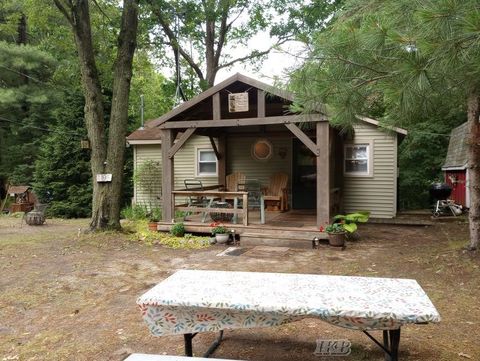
(262,149)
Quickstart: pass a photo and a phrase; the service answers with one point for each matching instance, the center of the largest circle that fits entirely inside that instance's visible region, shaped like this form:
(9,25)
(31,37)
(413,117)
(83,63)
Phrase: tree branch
(222,34)
(252,55)
(348,61)
(174,41)
(101,10)
(64,11)
(372,80)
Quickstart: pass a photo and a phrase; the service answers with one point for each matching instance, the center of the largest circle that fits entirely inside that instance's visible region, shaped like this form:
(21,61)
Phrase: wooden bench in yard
(147,357)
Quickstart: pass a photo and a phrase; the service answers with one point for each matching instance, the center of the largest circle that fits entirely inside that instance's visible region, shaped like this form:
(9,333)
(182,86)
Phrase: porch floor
(295,228)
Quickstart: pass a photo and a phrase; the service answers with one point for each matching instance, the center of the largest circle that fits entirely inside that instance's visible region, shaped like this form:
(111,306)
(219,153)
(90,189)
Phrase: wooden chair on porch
(233,180)
(276,194)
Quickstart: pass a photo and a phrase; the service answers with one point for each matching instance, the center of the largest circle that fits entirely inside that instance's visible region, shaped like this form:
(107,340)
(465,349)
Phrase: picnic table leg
(188,337)
(394,336)
(391,342)
(204,218)
(245,209)
(214,345)
(235,206)
(386,344)
(262,210)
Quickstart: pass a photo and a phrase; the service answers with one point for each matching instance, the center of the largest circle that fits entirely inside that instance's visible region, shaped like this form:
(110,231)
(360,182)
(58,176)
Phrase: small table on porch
(192,301)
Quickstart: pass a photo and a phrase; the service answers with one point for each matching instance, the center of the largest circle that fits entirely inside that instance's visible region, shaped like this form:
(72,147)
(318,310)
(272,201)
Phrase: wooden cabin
(244,125)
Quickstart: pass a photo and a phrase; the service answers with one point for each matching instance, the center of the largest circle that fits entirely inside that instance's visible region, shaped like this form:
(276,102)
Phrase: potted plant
(336,234)
(154,216)
(343,225)
(220,232)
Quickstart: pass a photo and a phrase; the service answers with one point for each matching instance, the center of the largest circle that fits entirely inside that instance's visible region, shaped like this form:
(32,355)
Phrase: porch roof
(235,82)
(268,106)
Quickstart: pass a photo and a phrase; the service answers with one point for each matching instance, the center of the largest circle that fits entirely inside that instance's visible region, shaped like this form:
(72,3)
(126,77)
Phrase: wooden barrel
(34,218)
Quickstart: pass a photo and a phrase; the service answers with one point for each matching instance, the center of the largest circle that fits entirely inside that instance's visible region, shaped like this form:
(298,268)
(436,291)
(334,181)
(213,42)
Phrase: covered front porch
(301,146)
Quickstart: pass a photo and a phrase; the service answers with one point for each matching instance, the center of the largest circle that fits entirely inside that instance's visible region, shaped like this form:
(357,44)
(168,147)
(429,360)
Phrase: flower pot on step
(152,226)
(336,239)
(222,237)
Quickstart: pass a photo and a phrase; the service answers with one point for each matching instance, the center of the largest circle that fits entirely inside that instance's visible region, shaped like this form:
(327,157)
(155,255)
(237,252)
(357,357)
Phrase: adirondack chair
(276,194)
(233,180)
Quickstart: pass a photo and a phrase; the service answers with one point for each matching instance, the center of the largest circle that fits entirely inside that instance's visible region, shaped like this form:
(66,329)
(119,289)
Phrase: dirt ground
(69,296)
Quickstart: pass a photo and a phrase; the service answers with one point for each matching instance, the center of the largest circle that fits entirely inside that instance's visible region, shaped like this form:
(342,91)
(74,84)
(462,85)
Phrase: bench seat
(150,357)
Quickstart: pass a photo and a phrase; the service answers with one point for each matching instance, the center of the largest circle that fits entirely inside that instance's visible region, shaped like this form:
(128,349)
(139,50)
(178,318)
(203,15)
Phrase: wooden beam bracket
(303,138)
(180,142)
(214,147)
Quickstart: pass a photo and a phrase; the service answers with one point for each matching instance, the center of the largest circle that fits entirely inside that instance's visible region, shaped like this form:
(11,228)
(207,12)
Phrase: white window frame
(198,150)
(369,172)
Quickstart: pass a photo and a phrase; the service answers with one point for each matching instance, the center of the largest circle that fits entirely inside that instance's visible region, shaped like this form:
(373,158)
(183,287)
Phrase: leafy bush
(348,222)
(134,213)
(155,214)
(141,233)
(177,230)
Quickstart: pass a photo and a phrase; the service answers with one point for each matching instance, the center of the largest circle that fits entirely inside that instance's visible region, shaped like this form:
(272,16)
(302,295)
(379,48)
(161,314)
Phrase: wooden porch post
(222,162)
(323,173)
(167,176)
(221,149)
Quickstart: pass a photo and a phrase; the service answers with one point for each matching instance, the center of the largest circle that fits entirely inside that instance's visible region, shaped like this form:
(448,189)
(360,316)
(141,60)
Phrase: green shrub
(177,230)
(155,214)
(134,213)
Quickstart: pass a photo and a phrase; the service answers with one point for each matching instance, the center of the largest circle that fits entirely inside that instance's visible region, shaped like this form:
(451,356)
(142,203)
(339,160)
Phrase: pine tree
(62,169)
(410,57)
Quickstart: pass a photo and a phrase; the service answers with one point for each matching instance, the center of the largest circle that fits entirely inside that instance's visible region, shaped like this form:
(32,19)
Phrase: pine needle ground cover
(66,295)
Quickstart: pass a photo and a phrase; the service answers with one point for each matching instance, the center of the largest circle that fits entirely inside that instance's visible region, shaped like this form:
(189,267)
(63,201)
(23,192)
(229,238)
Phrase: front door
(304,177)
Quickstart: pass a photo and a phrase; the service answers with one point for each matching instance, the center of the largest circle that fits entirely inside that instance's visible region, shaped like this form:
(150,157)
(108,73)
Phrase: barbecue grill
(443,206)
(440,191)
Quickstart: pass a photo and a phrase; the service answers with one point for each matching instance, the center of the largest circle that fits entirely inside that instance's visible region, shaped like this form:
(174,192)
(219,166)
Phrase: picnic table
(192,301)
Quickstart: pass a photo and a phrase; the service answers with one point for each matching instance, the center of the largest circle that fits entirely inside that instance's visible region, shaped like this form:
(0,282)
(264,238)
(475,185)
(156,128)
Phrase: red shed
(455,166)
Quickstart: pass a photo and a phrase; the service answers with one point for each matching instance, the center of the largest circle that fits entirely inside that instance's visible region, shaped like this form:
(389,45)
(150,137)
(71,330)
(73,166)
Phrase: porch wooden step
(287,235)
(291,239)
(247,241)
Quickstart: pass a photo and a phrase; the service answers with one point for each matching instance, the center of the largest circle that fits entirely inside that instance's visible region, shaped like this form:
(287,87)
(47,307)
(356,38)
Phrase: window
(357,160)
(206,162)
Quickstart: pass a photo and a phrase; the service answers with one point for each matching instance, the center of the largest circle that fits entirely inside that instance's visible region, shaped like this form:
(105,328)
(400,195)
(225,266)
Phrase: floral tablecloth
(192,301)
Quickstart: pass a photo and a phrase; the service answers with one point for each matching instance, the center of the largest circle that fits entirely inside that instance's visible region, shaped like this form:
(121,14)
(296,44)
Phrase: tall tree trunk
(127,42)
(105,157)
(94,115)
(474,167)
(210,54)
(22,30)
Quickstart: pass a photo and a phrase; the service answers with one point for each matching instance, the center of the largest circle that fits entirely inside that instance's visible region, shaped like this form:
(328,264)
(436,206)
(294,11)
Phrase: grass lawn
(65,295)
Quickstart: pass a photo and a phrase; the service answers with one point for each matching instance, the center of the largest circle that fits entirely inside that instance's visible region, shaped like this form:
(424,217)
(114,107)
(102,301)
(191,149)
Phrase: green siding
(184,163)
(377,193)
(143,153)
(240,159)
